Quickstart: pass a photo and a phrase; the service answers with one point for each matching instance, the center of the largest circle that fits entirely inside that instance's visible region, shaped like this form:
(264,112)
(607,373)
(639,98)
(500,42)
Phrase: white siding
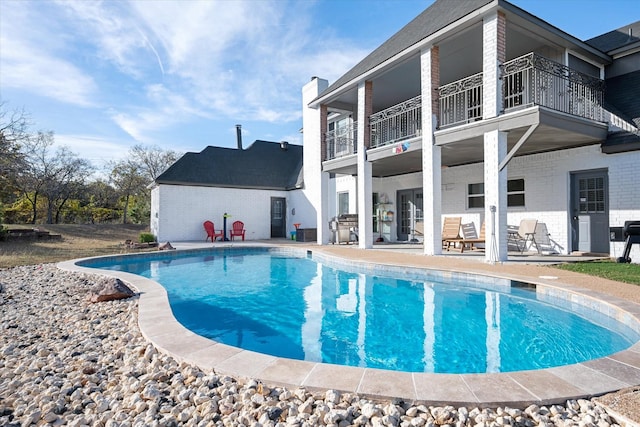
(547,190)
(183,209)
(300,211)
(345,183)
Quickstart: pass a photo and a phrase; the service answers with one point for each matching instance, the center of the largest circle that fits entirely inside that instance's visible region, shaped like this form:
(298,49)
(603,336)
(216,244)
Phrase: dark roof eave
(237,187)
(620,148)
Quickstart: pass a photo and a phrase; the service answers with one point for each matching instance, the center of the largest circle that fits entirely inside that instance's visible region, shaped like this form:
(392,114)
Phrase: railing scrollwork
(399,122)
(341,141)
(534,80)
(461,101)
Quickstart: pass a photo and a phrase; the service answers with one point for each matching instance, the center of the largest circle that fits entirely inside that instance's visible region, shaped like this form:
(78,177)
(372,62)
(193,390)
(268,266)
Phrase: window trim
(339,194)
(471,196)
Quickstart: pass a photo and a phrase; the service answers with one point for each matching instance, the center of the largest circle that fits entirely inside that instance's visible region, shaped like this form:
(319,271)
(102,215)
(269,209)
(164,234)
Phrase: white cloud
(246,60)
(29,61)
(169,109)
(95,149)
(117,38)
(171,61)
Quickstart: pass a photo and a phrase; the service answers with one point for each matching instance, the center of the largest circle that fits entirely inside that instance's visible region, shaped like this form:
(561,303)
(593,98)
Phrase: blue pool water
(298,308)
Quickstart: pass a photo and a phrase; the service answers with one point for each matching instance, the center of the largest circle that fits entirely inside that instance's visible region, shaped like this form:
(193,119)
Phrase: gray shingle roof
(435,17)
(617,38)
(262,165)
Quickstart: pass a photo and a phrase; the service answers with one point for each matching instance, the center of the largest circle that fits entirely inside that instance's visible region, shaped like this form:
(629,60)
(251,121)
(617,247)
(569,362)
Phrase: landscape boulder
(109,289)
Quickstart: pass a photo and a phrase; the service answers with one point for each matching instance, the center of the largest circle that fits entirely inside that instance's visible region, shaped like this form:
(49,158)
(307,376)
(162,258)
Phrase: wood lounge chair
(470,239)
(211,231)
(237,229)
(451,231)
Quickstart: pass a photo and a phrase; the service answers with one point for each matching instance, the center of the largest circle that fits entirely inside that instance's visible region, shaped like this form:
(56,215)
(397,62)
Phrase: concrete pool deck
(515,389)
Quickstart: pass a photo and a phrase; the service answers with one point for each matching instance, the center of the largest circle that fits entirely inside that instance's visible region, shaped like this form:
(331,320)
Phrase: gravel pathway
(64,361)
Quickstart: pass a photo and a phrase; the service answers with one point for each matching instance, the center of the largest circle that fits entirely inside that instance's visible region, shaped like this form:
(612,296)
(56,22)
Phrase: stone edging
(515,389)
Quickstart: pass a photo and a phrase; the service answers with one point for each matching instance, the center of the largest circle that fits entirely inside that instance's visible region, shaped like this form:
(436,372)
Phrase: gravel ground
(65,361)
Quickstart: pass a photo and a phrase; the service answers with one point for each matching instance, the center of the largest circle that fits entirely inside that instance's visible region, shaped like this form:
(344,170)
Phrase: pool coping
(515,389)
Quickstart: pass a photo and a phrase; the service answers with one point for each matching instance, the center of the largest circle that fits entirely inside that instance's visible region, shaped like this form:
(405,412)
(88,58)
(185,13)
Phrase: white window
(342,141)
(515,194)
(475,196)
(343,203)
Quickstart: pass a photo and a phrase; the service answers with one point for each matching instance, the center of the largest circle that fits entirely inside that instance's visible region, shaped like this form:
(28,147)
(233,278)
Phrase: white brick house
(472,105)
(477,106)
(260,185)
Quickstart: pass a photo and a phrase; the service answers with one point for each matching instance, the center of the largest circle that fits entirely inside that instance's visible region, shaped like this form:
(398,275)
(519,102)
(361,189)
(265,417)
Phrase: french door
(409,212)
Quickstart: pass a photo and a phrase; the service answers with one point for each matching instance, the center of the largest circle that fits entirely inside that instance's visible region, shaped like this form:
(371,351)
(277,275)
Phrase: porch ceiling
(465,144)
(555,131)
(387,164)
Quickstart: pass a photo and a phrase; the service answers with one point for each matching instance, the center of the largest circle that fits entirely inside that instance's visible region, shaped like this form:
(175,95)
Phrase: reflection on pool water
(299,308)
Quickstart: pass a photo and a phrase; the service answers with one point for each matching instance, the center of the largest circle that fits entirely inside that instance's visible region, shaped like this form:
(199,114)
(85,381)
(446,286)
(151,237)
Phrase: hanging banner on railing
(400,147)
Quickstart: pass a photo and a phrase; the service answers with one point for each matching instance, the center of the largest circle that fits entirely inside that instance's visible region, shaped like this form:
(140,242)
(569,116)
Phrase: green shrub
(3,233)
(147,238)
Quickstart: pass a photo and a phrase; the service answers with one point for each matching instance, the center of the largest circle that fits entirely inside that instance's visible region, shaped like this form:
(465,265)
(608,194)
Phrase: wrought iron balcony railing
(534,80)
(397,123)
(461,101)
(528,80)
(342,141)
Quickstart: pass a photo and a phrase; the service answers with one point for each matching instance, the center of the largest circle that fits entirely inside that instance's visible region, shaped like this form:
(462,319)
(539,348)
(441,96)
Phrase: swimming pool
(278,303)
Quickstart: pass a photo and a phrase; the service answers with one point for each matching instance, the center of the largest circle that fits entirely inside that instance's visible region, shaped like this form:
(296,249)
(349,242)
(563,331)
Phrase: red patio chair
(237,229)
(211,231)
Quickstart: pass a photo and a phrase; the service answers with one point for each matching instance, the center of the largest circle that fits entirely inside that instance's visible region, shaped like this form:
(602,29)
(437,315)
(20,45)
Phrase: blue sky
(106,75)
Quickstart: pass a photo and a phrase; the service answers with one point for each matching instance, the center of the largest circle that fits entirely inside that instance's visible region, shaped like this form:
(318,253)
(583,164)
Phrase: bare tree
(67,175)
(13,134)
(140,168)
(127,177)
(153,160)
(54,176)
(31,178)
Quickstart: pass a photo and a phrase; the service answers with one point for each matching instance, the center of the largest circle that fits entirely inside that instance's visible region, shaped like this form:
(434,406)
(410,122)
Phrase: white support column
(493,54)
(365,181)
(431,154)
(315,181)
(495,195)
(495,142)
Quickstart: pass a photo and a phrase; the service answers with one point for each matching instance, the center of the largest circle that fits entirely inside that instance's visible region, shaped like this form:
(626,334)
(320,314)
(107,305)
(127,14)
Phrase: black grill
(631,232)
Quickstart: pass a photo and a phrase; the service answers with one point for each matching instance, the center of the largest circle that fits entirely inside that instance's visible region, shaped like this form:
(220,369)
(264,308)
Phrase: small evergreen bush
(147,238)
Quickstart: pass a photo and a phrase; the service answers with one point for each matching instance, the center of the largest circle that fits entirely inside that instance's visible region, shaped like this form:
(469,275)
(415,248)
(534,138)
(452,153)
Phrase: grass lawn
(628,273)
(78,241)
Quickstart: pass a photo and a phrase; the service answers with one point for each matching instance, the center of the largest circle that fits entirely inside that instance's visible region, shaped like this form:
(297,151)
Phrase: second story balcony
(397,123)
(529,80)
(341,141)
(534,80)
(461,101)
